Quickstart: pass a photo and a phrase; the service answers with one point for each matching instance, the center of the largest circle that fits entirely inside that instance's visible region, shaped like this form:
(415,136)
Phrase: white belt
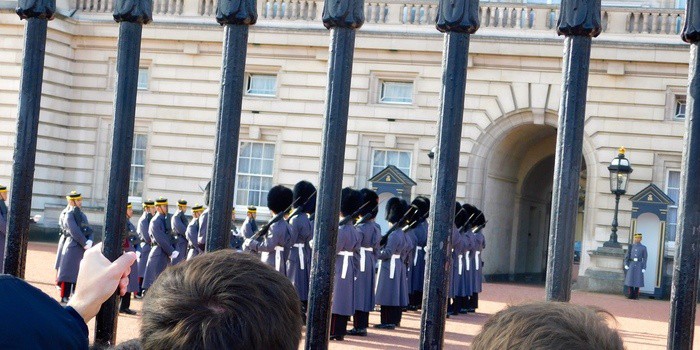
(346,258)
(415,256)
(278,256)
(300,246)
(362,257)
(477,262)
(635,259)
(459,258)
(468,261)
(392,265)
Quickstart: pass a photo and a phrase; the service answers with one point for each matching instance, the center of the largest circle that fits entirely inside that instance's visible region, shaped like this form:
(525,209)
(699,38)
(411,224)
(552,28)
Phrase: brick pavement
(643,324)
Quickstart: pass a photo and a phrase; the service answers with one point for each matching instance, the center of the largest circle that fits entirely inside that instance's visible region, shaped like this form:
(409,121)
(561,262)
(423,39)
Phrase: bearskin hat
(302,191)
(279,198)
(369,196)
(479,218)
(350,201)
(207,188)
(423,205)
(460,216)
(395,208)
(471,212)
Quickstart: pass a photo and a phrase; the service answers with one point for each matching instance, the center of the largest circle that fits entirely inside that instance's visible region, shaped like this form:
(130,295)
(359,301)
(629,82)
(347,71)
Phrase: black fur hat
(460,215)
(350,201)
(371,197)
(302,191)
(207,188)
(395,208)
(479,218)
(279,198)
(423,205)
(471,212)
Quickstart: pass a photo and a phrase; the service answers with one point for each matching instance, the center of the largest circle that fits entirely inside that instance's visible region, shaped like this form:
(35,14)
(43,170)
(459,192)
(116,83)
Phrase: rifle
(297,210)
(478,228)
(466,225)
(413,224)
(366,217)
(263,230)
(352,216)
(411,210)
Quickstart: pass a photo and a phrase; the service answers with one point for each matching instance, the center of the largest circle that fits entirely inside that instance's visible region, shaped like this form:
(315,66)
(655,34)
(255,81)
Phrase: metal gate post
(342,17)
(37,13)
(579,21)
(684,288)
(235,16)
(131,16)
(457,19)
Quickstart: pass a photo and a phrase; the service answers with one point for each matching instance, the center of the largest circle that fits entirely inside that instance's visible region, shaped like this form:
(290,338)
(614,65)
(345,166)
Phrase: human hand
(98,278)
(138,254)
(246,244)
(88,244)
(174,255)
(644,270)
(627,267)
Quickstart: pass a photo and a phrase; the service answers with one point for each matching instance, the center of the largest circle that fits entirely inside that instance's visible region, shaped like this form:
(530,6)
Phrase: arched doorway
(511,172)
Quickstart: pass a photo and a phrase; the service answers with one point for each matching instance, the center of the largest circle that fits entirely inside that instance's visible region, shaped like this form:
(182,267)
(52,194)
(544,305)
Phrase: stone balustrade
(506,16)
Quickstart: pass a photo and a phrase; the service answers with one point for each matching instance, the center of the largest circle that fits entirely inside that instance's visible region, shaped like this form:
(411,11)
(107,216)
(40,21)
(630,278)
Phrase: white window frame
(676,102)
(399,151)
(384,82)
(146,82)
(137,198)
(239,173)
(249,78)
(674,206)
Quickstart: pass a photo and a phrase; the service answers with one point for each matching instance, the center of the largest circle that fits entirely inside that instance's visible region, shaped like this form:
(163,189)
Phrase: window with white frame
(673,190)
(143,79)
(679,107)
(255,166)
(396,92)
(138,167)
(383,158)
(262,85)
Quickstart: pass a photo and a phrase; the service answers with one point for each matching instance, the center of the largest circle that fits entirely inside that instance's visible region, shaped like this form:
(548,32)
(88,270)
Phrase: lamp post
(620,170)
(431,155)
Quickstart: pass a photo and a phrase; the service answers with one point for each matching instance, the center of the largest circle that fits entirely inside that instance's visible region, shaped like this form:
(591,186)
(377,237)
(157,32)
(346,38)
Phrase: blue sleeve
(177,224)
(3,223)
(78,320)
(158,231)
(202,235)
(74,229)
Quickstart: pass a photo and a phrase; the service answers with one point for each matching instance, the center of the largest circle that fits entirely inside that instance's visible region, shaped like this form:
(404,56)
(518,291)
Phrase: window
(679,107)
(673,190)
(383,158)
(138,167)
(143,79)
(255,165)
(262,85)
(396,92)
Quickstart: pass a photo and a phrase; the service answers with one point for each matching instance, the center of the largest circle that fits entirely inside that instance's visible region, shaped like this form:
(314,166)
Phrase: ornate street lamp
(620,170)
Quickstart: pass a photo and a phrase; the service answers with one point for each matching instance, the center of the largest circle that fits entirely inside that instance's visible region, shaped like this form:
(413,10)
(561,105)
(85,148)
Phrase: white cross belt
(363,251)
(346,258)
(300,246)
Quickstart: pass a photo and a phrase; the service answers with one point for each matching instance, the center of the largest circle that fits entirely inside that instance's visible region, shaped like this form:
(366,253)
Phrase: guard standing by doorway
(636,265)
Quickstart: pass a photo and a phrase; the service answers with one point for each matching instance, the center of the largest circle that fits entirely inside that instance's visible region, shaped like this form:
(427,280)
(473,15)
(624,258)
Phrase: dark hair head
(369,196)
(350,201)
(395,208)
(302,191)
(279,198)
(221,300)
(548,326)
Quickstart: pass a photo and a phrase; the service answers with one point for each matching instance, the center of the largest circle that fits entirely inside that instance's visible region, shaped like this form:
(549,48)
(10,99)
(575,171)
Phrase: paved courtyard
(643,324)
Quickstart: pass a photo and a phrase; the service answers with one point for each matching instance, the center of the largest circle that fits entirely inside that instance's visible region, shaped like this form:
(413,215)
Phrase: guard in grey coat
(458,287)
(192,232)
(479,244)
(61,239)
(273,247)
(299,262)
(162,249)
(346,266)
(131,244)
(79,239)
(420,232)
(179,224)
(3,222)
(149,209)
(370,234)
(391,273)
(635,265)
(202,234)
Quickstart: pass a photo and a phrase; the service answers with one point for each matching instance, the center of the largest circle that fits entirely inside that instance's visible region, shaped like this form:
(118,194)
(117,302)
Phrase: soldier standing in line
(237,239)
(179,224)
(370,234)
(131,244)
(79,239)
(457,283)
(418,264)
(299,261)
(272,246)
(3,222)
(479,244)
(636,266)
(469,247)
(61,240)
(149,209)
(346,266)
(162,249)
(193,232)
(391,273)
(249,225)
